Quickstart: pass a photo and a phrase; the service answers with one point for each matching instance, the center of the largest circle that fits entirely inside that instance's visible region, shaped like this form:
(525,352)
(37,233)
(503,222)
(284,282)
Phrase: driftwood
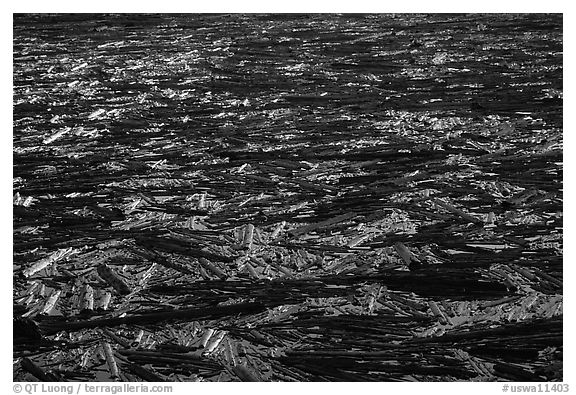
(288,197)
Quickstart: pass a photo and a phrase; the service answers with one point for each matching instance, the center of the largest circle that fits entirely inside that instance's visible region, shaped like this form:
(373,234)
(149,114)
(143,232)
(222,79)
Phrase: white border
(304,6)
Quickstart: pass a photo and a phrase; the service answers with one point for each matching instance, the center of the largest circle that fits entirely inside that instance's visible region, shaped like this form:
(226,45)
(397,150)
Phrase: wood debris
(287,197)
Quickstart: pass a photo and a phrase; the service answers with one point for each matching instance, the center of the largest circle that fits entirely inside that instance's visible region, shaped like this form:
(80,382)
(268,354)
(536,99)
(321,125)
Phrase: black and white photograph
(287,197)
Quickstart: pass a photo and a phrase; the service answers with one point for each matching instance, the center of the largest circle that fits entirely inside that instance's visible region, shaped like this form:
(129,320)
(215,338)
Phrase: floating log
(320,225)
(244,373)
(33,368)
(110,359)
(152,317)
(112,278)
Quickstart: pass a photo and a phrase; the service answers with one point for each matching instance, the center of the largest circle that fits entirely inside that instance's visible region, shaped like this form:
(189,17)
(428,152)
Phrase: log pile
(287,197)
